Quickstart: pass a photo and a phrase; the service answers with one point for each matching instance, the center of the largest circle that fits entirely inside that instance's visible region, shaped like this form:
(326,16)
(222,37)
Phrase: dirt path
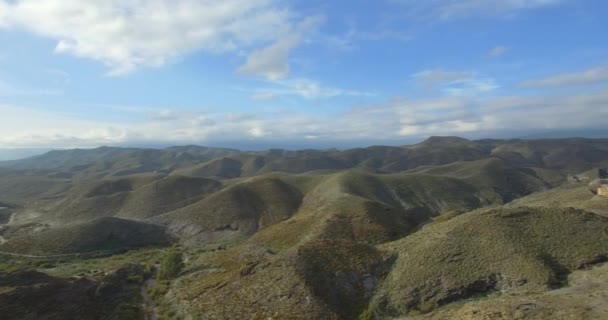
(10,219)
(63,255)
(48,256)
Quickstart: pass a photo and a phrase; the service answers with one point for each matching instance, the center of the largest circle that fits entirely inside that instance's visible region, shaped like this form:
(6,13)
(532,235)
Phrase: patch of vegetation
(519,249)
(341,273)
(114,295)
(171,265)
(105,234)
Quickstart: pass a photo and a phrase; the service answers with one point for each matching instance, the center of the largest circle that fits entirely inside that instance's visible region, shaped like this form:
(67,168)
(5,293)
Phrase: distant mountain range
(20,153)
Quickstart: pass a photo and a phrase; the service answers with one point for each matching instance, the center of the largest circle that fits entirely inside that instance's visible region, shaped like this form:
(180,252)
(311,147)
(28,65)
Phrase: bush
(427,306)
(369,314)
(126,311)
(157,292)
(171,265)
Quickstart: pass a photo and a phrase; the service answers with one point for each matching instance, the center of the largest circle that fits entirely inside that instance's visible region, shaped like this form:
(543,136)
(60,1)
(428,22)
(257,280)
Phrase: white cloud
(129,34)
(471,87)
(310,89)
(58,77)
(349,40)
(164,115)
(272,62)
(435,76)
(22,126)
(397,119)
(257,132)
(455,83)
(304,88)
(594,75)
(454,9)
(260,96)
(498,51)
(7,89)
(203,121)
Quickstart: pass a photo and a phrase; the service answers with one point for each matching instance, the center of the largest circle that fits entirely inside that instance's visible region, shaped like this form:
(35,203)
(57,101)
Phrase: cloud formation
(261,96)
(304,88)
(130,34)
(595,75)
(397,119)
(435,76)
(455,9)
(498,51)
(272,62)
(455,83)
(9,90)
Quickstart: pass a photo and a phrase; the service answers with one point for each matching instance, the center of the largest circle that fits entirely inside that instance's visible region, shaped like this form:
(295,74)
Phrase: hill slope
(321,234)
(97,235)
(234,212)
(519,250)
(571,155)
(508,250)
(135,197)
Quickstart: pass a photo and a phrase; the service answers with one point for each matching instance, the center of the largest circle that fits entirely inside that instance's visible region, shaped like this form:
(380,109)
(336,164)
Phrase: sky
(304,73)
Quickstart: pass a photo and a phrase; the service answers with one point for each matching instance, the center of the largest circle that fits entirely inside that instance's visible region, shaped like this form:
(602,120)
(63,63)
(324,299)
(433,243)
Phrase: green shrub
(427,306)
(126,311)
(369,314)
(171,265)
(157,292)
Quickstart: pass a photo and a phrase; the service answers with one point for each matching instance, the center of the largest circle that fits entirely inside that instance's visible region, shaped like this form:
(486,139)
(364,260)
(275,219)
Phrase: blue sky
(265,73)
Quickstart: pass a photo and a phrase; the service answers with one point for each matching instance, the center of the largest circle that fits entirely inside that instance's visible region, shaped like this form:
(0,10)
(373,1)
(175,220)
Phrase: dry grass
(517,249)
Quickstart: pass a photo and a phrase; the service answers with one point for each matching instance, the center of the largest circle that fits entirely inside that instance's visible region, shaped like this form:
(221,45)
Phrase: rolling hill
(521,250)
(572,155)
(425,231)
(135,197)
(104,234)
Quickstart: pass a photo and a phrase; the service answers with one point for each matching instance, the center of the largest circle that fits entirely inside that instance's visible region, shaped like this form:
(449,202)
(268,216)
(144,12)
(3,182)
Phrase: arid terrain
(445,229)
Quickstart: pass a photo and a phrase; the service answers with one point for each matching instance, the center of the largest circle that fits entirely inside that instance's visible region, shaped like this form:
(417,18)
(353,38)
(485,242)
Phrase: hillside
(571,155)
(447,228)
(507,181)
(222,168)
(113,296)
(522,250)
(18,189)
(104,234)
(576,196)
(349,204)
(235,212)
(110,161)
(135,197)
(506,250)
(583,298)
